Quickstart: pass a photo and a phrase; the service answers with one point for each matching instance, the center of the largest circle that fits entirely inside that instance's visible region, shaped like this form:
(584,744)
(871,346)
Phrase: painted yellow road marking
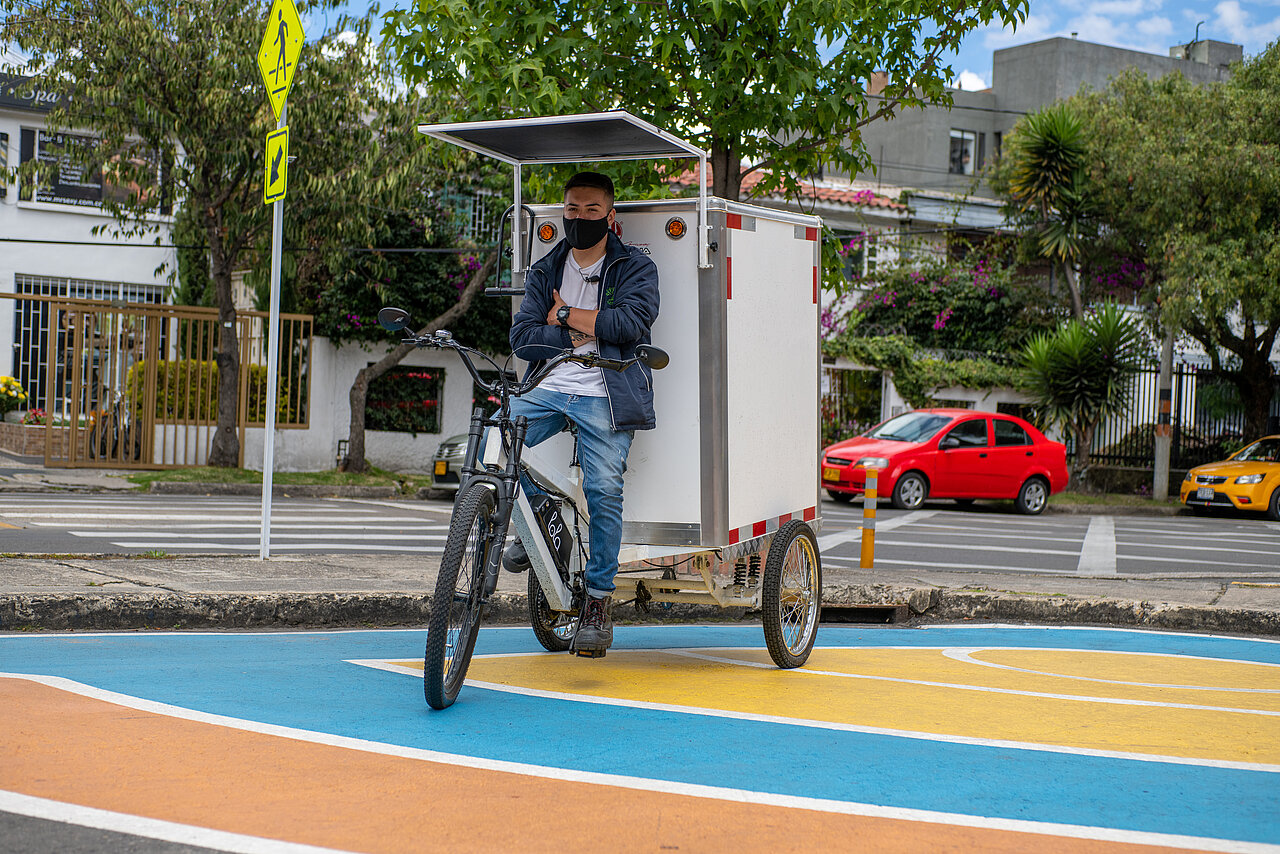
(1214,712)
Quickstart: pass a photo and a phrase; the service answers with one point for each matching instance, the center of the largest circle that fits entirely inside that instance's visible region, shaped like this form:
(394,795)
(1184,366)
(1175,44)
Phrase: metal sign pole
(273,357)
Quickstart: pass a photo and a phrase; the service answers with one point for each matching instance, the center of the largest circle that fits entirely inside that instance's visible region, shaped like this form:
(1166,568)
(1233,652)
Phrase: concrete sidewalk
(218,592)
(66,592)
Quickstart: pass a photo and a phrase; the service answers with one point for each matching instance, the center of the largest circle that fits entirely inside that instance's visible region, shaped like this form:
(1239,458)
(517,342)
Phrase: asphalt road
(987,537)
(944,738)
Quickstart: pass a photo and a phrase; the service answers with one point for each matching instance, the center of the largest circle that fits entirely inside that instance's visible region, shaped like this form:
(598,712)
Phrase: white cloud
(1157,26)
(969,81)
(1237,23)
(1123,8)
(1033,29)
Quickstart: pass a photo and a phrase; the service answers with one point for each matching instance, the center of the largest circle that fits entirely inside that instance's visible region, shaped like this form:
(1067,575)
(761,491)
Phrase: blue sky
(1151,26)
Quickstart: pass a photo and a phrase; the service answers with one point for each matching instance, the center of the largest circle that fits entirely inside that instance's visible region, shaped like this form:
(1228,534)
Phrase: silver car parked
(446,464)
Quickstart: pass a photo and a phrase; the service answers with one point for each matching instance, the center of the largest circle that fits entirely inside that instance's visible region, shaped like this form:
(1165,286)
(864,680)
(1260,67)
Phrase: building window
(406,400)
(997,143)
(68,180)
(964,145)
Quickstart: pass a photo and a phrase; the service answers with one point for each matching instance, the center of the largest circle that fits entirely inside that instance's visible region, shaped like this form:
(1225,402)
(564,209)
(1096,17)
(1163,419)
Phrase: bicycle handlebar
(394,320)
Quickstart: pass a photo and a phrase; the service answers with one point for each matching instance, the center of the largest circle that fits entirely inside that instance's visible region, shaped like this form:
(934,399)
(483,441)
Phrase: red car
(949,453)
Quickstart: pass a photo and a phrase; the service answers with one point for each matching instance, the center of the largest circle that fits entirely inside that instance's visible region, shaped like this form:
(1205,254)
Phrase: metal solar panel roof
(616,135)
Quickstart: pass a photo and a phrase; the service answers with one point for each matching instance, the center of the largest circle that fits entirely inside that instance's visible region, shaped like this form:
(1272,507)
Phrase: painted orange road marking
(76,749)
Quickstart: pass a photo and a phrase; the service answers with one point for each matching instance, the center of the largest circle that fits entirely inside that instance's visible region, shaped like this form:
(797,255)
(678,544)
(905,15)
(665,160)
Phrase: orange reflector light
(546,232)
(676,228)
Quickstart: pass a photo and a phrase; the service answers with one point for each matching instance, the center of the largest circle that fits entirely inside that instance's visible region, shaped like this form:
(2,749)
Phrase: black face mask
(585,233)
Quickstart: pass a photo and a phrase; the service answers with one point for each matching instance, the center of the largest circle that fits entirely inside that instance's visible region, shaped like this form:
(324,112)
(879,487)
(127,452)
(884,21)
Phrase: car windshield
(910,427)
(1261,451)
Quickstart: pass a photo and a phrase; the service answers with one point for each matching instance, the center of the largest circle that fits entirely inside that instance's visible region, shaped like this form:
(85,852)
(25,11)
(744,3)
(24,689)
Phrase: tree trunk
(355,459)
(1256,382)
(224,451)
(726,171)
(1084,449)
(1077,305)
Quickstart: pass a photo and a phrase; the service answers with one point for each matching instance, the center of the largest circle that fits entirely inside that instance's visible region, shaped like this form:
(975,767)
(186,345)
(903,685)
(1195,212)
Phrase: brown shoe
(595,631)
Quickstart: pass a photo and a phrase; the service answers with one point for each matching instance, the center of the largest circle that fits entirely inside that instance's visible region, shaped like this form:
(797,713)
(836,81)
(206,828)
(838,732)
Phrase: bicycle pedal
(590,653)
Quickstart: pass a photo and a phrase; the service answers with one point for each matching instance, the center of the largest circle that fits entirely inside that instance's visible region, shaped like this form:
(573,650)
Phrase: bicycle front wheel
(454,618)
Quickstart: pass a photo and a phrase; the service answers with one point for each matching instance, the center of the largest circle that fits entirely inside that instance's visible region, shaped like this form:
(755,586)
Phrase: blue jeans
(602,452)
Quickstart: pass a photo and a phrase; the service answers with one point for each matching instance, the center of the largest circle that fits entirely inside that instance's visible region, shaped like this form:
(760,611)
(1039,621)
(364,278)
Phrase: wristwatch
(562,316)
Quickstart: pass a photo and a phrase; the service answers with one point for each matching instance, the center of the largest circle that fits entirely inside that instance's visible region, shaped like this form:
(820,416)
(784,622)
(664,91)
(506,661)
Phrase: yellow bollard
(869,520)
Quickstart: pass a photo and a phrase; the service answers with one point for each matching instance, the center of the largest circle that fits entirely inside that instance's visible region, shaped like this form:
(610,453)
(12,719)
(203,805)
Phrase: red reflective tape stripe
(782,520)
(758,529)
(811,514)
(811,234)
(728,278)
(733,220)
(733,536)
(815,285)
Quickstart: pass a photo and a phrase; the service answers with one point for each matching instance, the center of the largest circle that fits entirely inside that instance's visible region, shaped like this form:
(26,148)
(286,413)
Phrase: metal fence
(1208,421)
(133,385)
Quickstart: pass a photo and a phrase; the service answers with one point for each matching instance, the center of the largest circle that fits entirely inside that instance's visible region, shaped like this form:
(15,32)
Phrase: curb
(166,611)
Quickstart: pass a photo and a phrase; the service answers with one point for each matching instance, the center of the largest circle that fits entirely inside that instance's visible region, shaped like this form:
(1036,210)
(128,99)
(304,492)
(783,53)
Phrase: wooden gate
(133,385)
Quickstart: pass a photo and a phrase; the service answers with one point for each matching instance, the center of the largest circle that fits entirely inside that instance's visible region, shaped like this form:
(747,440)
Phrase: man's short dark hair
(595,180)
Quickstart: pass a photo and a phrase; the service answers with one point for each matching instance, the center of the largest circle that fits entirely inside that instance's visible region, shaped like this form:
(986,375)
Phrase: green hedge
(187,390)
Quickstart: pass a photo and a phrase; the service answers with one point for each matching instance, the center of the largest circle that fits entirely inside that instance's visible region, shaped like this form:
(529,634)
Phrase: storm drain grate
(872,614)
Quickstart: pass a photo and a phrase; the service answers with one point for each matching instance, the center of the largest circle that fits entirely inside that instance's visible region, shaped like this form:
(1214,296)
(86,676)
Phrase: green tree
(1041,175)
(777,86)
(1079,375)
(434,282)
(1187,179)
(174,88)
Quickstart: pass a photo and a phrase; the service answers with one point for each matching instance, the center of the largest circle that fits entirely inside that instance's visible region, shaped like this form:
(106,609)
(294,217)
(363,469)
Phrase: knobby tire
(454,619)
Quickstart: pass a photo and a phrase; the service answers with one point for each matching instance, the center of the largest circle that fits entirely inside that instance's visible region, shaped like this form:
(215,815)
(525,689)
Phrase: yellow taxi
(1249,480)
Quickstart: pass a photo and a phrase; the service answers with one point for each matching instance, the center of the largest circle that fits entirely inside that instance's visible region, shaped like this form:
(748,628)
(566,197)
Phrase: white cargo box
(735,452)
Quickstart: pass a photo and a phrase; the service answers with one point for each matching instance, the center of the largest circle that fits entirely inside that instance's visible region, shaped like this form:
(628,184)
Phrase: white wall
(333,371)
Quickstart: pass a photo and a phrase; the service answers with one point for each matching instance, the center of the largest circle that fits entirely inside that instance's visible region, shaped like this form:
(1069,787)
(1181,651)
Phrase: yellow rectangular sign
(276,177)
(279,51)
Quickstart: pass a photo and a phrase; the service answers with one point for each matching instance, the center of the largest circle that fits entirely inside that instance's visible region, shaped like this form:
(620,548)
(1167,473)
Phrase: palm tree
(1044,181)
(1079,375)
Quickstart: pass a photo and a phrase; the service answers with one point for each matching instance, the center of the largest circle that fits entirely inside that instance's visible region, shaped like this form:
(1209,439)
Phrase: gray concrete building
(940,151)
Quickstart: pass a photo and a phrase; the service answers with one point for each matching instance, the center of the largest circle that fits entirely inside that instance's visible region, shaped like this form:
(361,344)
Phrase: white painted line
(887,541)
(150,828)
(1184,547)
(663,786)
(177,517)
(984,689)
(965,654)
(946,530)
(446,509)
(275,533)
(291,526)
(342,547)
(1098,554)
(830,541)
(919,564)
(198,521)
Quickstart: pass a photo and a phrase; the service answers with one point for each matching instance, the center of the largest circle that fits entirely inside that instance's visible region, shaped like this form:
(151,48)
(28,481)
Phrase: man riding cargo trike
(716,456)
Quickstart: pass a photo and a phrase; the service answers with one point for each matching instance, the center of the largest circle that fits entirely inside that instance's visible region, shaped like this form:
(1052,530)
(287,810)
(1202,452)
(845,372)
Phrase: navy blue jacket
(628,306)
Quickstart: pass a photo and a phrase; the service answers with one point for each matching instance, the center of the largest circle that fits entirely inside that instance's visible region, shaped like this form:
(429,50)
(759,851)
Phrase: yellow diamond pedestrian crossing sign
(275,181)
(279,51)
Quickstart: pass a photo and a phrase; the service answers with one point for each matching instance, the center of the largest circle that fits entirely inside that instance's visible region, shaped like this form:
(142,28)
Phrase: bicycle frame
(559,595)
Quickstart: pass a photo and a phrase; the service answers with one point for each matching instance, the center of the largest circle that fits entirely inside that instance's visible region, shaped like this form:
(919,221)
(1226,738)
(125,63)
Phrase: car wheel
(1033,497)
(1273,509)
(910,491)
(840,497)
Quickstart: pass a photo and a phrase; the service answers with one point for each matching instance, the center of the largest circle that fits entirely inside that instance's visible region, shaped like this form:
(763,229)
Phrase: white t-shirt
(577,292)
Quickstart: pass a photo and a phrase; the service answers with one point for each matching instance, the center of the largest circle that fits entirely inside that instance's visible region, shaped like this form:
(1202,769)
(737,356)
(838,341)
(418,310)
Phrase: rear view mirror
(949,442)
(393,319)
(651,356)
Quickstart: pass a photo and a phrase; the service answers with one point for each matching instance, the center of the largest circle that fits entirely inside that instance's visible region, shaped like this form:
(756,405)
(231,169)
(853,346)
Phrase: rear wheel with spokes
(792,595)
(454,618)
